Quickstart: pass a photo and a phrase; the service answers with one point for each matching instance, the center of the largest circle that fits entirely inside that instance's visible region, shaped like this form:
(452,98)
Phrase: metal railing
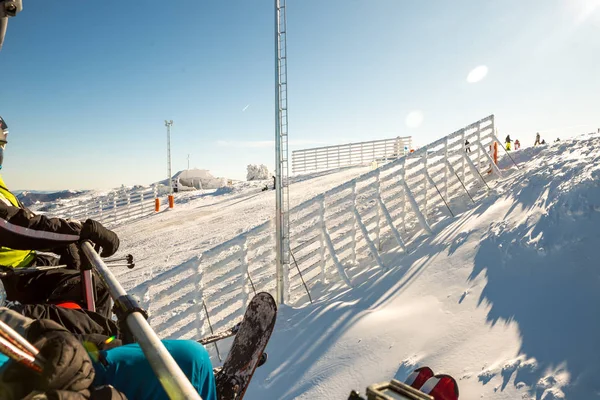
(346,155)
(332,236)
(113,208)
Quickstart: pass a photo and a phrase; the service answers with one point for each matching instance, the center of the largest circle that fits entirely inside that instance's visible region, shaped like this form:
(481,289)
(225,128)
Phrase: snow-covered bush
(257,172)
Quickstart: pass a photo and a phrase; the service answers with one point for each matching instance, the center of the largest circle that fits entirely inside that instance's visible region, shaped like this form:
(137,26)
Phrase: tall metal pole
(169,124)
(281,152)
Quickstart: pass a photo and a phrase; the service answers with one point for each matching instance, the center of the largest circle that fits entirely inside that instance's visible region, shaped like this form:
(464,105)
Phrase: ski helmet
(8,8)
(3,139)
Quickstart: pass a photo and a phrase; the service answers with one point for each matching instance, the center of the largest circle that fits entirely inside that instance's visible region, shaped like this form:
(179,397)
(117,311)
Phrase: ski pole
(128,258)
(10,334)
(35,269)
(130,266)
(170,376)
(20,271)
(211,330)
(22,357)
(19,349)
(300,273)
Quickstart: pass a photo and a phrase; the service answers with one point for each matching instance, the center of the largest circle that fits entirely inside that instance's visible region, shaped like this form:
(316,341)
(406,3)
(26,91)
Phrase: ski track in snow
(503,296)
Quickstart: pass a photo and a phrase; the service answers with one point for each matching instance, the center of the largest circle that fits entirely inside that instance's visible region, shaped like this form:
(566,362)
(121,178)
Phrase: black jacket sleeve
(20,229)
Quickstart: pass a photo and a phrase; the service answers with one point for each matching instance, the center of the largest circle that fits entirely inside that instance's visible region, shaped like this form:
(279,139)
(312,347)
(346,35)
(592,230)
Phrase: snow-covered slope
(201,221)
(504,296)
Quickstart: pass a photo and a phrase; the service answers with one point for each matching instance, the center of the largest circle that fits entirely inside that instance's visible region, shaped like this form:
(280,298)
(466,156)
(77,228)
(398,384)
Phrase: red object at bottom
(69,304)
(441,387)
(419,377)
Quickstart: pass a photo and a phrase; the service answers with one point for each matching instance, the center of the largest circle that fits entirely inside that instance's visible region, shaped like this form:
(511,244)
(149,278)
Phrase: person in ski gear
(467,147)
(23,233)
(112,372)
(537,139)
(507,141)
(517,144)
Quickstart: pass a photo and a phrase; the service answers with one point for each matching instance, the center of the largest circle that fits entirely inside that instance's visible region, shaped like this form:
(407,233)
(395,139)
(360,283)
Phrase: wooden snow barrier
(333,236)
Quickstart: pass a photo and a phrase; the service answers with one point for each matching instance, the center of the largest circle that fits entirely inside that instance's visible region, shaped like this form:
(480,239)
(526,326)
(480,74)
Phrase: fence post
(479,147)
(115,206)
(425,183)
(334,257)
(462,145)
(128,195)
(244,271)
(446,171)
(403,198)
(199,300)
(373,144)
(353,235)
(378,212)
(365,234)
(415,208)
(390,222)
(361,154)
(322,240)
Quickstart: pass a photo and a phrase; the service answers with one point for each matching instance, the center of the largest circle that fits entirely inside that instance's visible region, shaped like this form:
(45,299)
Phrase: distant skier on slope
(22,233)
(537,139)
(517,144)
(508,141)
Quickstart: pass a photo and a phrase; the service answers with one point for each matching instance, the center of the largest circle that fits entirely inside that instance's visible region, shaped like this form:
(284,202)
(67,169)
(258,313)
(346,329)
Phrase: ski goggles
(3,133)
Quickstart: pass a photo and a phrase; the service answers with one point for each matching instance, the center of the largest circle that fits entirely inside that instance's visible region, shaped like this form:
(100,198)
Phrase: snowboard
(421,384)
(247,349)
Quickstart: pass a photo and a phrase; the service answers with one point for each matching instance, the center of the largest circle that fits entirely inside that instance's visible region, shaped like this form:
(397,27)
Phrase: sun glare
(414,119)
(477,74)
(584,9)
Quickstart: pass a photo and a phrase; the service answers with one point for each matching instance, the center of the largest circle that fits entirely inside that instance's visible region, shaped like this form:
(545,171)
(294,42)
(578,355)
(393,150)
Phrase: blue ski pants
(127,369)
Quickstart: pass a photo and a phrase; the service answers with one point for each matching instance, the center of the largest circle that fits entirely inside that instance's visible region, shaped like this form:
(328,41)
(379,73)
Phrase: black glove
(107,239)
(101,393)
(67,364)
(70,256)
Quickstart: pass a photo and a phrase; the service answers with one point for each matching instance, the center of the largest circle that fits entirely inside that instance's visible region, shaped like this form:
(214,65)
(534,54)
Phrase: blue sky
(86,86)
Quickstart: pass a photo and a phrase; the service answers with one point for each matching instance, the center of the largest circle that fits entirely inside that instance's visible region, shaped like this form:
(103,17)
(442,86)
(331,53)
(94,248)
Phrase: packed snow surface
(504,296)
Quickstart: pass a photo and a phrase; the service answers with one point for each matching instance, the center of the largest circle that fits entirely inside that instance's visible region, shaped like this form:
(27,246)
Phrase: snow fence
(114,208)
(333,236)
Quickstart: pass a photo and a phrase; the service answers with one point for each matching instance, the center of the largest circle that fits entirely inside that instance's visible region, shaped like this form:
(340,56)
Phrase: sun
(584,9)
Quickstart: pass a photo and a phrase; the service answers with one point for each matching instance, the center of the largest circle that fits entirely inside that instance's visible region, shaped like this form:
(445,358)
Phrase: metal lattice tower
(169,124)
(282,228)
